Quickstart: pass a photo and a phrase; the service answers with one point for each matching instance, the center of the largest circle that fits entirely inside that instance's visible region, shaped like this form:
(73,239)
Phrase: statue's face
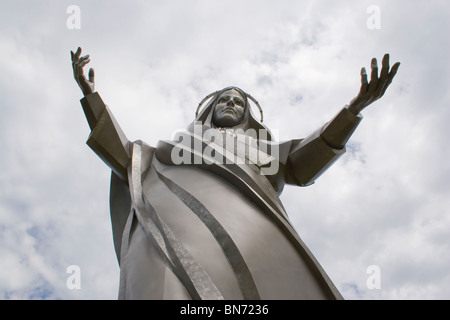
(229,110)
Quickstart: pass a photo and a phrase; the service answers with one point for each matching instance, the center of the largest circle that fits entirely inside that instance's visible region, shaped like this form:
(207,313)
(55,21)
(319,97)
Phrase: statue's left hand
(377,86)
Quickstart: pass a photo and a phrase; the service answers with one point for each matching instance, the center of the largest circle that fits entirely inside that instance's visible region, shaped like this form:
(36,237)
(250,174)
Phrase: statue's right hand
(86,85)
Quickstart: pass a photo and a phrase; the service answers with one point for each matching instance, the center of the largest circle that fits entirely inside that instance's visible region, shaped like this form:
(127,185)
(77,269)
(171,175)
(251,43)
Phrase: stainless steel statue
(200,217)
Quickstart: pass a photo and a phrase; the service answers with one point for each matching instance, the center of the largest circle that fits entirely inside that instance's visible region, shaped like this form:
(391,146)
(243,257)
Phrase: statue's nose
(230,103)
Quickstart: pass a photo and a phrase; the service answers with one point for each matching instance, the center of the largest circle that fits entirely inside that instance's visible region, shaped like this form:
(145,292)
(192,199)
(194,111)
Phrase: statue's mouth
(224,110)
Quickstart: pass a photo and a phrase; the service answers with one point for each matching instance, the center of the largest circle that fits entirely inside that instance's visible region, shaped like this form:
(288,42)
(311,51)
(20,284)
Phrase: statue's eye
(222,100)
(238,103)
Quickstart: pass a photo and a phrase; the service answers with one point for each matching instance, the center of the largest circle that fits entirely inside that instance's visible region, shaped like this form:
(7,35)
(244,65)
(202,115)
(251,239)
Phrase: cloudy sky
(384,204)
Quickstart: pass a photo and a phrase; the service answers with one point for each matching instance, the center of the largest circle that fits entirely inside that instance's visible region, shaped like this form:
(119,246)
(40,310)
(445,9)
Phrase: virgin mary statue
(200,217)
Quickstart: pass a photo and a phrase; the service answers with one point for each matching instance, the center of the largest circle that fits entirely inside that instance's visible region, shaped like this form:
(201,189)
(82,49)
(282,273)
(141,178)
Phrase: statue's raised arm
(311,156)
(107,138)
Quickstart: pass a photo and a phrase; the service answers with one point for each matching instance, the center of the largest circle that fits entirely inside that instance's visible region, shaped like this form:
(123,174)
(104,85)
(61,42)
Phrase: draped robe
(211,230)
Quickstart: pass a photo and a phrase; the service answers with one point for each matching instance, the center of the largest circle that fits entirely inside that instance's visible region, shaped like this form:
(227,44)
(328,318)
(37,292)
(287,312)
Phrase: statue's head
(229,108)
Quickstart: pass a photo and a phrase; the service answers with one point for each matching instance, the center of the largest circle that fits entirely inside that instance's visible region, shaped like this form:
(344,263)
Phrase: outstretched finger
(83,63)
(364,83)
(77,54)
(373,79)
(390,76)
(374,73)
(91,75)
(383,80)
(385,66)
(80,63)
(393,71)
(361,98)
(84,58)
